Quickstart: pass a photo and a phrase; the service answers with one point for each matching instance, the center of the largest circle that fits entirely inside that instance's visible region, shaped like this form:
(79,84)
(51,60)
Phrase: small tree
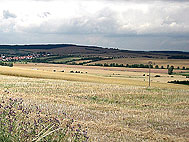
(10,64)
(170,70)
(106,65)
(157,67)
(167,66)
(172,67)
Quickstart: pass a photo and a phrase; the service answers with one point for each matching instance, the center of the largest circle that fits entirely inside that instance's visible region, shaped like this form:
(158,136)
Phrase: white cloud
(107,19)
(7,14)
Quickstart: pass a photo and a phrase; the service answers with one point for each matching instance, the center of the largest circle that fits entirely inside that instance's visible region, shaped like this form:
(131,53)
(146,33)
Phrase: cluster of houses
(16,58)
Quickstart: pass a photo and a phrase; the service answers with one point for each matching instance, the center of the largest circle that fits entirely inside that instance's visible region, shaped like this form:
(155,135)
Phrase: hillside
(81,50)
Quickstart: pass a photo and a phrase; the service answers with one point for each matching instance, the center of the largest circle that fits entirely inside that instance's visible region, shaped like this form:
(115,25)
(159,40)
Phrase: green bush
(186,82)
(170,70)
(10,64)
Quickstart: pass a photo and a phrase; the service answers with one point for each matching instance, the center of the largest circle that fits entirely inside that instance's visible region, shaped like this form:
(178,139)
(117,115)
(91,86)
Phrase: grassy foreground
(22,122)
(111,109)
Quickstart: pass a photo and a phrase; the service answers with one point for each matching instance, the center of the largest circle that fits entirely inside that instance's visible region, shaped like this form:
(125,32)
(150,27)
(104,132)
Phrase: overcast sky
(124,24)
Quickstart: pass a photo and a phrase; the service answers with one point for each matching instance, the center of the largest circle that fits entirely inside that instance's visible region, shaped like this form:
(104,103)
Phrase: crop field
(82,61)
(65,59)
(105,74)
(112,104)
(159,62)
(47,57)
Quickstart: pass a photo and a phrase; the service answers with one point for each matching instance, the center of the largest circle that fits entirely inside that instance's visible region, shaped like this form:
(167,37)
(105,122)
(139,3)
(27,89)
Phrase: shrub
(186,82)
(170,70)
(10,64)
(157,67)
(167,66)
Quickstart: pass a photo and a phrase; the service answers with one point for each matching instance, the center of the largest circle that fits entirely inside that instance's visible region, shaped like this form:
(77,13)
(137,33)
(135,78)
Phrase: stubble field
(160,62)
(113,105)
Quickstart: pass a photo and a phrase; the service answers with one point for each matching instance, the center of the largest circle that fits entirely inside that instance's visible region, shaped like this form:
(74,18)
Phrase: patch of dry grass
(112,112)
(160,62)
(93,77)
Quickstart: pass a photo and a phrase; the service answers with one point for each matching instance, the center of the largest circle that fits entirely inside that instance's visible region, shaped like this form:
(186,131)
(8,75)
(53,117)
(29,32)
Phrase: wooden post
(150,63)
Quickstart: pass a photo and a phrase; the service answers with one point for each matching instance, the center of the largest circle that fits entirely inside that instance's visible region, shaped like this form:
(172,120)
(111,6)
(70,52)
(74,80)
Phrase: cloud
(7,14)
(121,0)
(44,14)
(108,21)
(143,1)
(120,23)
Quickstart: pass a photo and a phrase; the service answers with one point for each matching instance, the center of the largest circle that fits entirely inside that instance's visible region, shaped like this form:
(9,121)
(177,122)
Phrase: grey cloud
(103,22)
(7,14)
(168,27)
(44,14)
(168,20)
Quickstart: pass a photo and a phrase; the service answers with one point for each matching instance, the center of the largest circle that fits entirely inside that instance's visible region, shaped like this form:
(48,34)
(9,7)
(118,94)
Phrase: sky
(124,24)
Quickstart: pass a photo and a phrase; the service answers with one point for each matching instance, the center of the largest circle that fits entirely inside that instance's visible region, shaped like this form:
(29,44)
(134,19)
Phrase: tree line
(186,82)
(122,65)
(136,66)
(9,64)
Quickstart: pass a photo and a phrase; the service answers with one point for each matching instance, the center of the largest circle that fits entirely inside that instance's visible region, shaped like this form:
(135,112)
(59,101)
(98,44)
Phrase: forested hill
(64,49)
(38,46)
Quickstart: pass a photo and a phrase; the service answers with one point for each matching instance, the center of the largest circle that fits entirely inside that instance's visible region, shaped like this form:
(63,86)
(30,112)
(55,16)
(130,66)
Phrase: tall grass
(19,123)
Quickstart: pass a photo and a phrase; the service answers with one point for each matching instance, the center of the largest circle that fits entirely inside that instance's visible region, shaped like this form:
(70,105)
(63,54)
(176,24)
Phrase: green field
(65,59)
(116,108)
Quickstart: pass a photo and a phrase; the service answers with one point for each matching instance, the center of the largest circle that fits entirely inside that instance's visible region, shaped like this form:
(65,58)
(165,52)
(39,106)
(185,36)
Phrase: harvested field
(130,74)
(110,112)
(112,103)
(159,62)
